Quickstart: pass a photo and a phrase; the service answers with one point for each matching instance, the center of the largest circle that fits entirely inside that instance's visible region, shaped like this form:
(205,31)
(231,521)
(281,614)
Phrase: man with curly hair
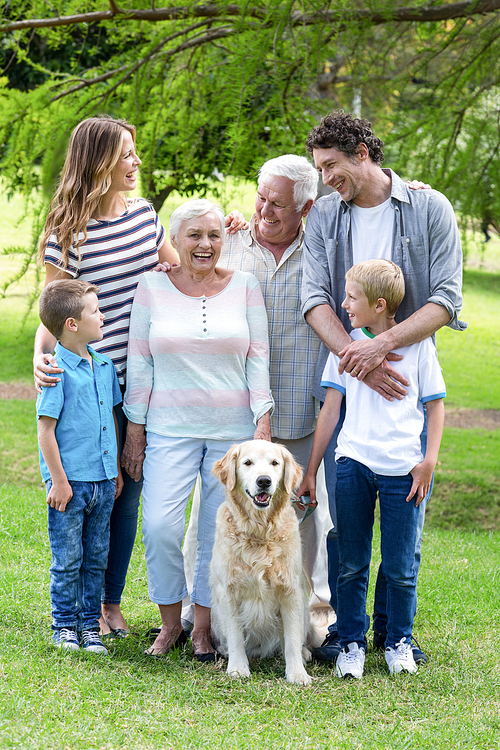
(373,214)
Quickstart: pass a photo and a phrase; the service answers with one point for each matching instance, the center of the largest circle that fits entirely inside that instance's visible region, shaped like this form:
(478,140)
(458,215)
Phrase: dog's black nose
(263,482)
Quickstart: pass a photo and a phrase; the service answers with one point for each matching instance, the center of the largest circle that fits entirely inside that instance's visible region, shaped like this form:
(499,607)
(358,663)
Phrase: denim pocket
(343,460)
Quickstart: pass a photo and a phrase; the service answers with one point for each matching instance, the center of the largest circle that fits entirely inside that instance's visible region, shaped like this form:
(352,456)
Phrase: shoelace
(403,649)
(351,655)
(68,635)
(91,636)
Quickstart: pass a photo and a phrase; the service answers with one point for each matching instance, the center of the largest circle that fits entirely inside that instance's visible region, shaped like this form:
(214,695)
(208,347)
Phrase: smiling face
(199,243)
(277,219)
(344,173)
(361,313)
(90,324)
(124,174)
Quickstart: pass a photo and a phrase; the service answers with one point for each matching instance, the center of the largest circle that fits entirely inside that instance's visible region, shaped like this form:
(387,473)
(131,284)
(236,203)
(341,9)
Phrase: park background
(215,90)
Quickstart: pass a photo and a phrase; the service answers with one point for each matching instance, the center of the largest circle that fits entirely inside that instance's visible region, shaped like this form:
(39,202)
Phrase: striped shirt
(114,257)
(198,366)
(293,344)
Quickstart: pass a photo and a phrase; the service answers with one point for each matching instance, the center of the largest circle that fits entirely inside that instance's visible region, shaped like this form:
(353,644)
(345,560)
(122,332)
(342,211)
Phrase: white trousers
(170,470)
(313,533)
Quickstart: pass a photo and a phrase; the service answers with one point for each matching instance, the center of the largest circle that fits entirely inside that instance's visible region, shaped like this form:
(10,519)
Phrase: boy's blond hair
(61,300)
(379,278)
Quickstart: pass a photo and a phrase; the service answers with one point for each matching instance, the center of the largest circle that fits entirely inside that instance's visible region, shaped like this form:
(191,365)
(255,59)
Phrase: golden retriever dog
(259,600)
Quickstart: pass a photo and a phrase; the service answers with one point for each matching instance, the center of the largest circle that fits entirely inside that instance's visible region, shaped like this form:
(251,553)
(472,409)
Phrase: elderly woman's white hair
(191,210)
(299,170)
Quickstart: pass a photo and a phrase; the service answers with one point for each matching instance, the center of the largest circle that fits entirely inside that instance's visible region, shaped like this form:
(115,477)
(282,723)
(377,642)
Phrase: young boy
(378,451)
(77,435)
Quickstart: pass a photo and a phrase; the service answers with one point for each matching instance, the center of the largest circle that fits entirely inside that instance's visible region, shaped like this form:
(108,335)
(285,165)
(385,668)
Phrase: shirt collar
(71,359)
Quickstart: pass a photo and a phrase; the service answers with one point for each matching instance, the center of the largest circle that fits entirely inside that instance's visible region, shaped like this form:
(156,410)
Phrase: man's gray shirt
(425,244)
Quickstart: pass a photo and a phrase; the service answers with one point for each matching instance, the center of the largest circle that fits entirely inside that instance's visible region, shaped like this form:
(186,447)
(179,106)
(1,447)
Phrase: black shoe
(329,649)
(419,657)
(379,641)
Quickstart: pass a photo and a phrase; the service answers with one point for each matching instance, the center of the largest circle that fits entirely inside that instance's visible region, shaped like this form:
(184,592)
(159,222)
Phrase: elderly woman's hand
(134,450)
(235,221)
(263,430)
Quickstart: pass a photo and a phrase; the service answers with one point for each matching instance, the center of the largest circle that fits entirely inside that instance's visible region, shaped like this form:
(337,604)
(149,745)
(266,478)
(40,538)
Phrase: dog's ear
(225,468)
(293,472)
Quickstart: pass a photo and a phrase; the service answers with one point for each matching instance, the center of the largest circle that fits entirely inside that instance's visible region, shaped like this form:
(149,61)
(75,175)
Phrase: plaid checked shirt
(293,344)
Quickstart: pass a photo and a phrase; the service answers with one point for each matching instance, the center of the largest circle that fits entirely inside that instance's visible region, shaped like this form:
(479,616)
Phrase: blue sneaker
(92,643)
(66,638)
(329,649)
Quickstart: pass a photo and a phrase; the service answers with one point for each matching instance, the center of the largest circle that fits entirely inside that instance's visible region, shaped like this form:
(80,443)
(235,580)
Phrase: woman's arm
(257,362)
(45,367)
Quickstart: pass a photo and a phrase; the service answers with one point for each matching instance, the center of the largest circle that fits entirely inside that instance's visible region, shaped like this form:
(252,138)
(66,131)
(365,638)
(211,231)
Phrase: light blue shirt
(83,405)
(425,245)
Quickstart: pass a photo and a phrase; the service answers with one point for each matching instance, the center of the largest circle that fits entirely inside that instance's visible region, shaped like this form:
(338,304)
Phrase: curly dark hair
(342,131)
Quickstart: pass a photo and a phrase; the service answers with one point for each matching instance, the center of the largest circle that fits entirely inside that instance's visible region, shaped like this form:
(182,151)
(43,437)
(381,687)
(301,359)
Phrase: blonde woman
(93,232)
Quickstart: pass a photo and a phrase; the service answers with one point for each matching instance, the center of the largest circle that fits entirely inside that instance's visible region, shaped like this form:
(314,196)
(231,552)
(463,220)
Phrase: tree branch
(422,14)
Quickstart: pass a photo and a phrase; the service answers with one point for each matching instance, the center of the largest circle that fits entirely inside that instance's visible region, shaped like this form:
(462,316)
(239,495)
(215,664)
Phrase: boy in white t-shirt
(378,452)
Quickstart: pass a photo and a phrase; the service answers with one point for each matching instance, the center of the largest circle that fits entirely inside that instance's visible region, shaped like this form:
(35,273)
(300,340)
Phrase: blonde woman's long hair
(94,149)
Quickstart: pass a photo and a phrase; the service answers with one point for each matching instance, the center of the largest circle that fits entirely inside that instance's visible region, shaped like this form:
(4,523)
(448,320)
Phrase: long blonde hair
(94,149)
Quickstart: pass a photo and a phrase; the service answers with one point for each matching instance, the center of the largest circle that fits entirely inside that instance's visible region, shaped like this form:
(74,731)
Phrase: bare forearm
(419,326)
(45,342)
(435,424)
(328,327)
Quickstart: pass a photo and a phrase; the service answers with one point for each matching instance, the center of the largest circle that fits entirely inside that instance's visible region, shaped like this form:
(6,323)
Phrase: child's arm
(119,476)
(60,493)
(325,427)
(422,473)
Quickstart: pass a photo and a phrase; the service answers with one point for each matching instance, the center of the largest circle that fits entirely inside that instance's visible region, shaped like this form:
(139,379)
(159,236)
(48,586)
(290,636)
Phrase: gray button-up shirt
(425,244)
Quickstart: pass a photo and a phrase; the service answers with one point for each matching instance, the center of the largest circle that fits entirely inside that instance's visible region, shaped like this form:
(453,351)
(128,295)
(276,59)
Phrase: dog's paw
(306,654)
(238,670)
(299,678)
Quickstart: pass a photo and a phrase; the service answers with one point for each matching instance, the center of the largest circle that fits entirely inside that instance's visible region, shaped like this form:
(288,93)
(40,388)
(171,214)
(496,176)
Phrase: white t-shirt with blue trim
(385,435)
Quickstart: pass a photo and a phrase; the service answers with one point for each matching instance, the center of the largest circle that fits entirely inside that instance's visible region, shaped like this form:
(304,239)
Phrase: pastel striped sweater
(198,366)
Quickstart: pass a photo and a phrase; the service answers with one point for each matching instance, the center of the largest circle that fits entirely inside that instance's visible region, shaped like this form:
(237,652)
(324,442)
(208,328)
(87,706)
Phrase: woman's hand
(118,483)
(235,221)
(165,267)
(134,450)
(45,371)
(263,430)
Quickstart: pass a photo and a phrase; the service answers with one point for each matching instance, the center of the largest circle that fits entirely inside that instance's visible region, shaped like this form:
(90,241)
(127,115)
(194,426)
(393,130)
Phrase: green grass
(54,700)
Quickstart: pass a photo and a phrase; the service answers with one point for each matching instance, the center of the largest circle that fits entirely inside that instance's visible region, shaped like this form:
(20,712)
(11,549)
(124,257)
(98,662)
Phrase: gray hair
(193,209)
(299,170)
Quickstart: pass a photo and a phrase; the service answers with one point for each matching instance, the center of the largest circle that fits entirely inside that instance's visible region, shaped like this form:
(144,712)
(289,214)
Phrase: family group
(155,355)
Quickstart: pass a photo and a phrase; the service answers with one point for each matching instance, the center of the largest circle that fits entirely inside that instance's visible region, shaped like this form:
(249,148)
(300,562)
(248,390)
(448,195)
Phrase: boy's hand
(422,478)
(308,487)
(60,494)
(118,483)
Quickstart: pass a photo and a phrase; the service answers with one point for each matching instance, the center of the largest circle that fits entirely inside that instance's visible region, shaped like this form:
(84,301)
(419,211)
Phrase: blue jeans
(380,602)
(79,541)
(356,492)
(123,527)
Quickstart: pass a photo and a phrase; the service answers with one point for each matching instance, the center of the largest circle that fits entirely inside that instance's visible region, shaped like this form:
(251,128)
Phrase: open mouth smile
(261,500)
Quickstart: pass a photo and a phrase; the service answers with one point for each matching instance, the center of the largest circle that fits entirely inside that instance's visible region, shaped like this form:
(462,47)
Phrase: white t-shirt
(371,231)
(385,435)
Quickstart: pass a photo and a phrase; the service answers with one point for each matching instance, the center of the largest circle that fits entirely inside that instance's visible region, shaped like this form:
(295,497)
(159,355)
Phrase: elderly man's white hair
(299,170)
(193,209)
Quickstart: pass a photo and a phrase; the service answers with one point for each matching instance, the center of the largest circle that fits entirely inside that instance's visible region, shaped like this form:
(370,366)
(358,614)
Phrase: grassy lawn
(60,701)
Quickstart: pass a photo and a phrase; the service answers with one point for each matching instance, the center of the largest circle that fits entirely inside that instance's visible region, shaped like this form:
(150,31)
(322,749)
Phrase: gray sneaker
(92,643)
(66,638)
(400,658)
(351,662)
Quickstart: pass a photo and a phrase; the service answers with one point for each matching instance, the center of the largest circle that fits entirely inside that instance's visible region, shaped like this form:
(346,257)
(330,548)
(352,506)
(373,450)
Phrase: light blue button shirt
(83,405)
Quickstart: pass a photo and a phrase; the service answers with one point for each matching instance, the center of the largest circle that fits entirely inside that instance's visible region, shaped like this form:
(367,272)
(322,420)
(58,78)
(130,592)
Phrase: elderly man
(271,249)
(373,214)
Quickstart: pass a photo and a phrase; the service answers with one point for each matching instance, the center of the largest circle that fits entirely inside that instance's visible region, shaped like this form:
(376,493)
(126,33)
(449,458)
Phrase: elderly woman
(198,381)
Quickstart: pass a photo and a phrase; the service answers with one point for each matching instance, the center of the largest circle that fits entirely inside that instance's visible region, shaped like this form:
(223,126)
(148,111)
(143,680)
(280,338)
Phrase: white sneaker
(400,658)
(351,661)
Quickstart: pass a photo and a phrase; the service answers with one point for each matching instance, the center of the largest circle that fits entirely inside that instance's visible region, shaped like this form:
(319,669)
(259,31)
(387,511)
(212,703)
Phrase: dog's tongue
(262,497)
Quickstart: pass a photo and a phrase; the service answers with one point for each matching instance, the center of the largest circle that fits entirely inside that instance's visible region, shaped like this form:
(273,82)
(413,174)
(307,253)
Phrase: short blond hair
(61,300)
(379,278)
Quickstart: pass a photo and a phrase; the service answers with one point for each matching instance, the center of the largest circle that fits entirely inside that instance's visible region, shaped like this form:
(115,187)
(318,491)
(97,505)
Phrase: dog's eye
(274,463)
(247,462)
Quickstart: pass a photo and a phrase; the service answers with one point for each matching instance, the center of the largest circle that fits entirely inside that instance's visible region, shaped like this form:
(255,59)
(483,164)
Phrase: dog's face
(260,470)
